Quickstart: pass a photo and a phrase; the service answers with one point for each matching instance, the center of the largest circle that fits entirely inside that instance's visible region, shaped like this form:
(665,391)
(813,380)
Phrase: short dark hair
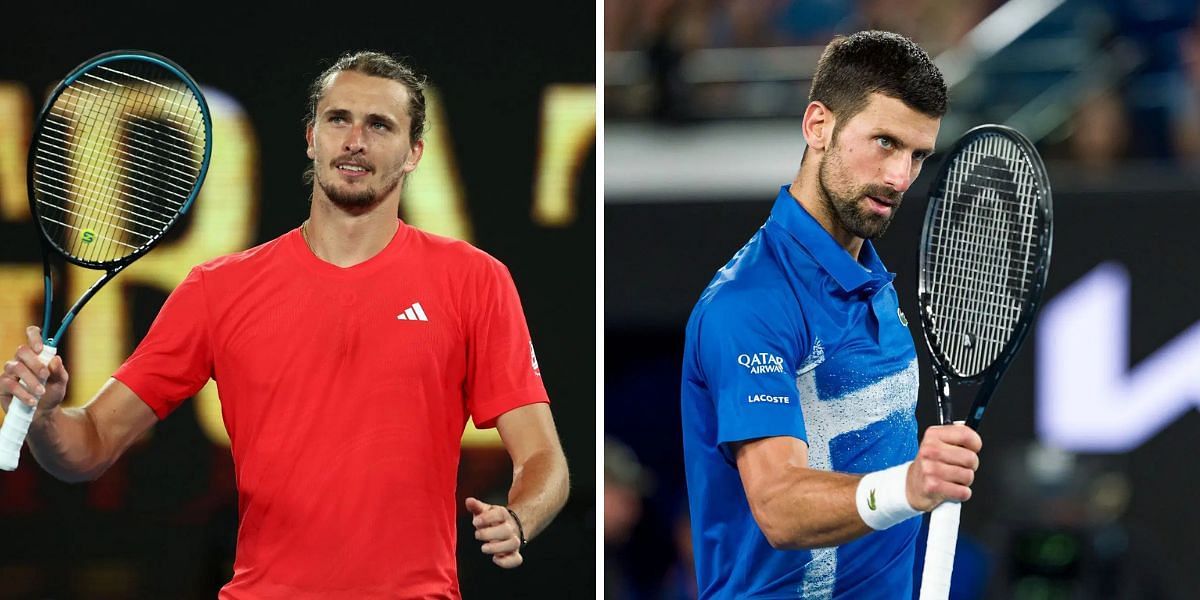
(853,67)
(375,64)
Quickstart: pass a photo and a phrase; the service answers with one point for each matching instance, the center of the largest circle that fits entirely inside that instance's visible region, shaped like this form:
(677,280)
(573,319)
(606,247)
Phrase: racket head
(984,253)
(118,154)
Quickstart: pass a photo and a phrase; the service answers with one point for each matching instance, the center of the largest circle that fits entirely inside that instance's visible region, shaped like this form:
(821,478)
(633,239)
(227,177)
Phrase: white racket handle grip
(17,420)
(939,551)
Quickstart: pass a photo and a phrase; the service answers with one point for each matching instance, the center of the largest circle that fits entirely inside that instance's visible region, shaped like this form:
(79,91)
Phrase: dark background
(162,523)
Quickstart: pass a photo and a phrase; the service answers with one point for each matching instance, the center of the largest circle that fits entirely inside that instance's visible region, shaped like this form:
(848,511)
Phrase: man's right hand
(945,466)
(44,384)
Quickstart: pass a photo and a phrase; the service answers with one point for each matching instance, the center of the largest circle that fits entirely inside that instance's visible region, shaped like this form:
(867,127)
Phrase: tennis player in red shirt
(349,354)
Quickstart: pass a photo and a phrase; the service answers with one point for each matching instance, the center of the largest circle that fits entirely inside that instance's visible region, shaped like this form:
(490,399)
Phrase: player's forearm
(808,508)
(67,445)
(539,490)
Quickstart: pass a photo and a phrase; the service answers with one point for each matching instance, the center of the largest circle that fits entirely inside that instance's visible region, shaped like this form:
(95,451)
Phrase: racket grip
(939,551)
(17,420)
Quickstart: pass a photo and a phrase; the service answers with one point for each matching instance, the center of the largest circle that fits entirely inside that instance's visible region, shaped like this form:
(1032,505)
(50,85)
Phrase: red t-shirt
(345,392)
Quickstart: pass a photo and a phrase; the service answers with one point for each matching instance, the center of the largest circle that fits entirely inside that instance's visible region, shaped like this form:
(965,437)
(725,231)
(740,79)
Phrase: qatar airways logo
(1089,398)
(761,362)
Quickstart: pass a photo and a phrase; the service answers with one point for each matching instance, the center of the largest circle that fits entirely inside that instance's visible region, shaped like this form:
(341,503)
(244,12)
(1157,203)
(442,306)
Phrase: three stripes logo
(413,313)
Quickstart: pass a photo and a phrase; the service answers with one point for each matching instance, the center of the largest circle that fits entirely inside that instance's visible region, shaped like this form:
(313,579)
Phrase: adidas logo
(413,313)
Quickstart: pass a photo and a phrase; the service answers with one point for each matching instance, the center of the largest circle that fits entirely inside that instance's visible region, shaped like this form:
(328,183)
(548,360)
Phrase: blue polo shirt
(793,337)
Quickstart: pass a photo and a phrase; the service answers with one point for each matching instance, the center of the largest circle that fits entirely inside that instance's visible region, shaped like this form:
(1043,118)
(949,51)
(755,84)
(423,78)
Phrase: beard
(355,201)
(844,200)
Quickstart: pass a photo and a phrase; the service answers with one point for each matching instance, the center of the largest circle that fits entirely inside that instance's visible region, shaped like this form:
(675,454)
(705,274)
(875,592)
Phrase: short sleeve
(502,368)
(748,354)
(174,361)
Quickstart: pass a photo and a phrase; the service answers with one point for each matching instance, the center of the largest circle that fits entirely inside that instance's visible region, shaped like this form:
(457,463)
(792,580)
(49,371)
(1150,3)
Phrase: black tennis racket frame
(989,378)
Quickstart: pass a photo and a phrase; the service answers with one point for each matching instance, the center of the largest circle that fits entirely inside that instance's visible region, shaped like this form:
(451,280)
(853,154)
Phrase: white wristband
(882,499)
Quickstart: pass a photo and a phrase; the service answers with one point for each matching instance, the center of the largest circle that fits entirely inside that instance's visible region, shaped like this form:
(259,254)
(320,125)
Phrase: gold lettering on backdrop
(15,119)
(20,285)
(223,220)
(20,304)
(433,200)
(568,128)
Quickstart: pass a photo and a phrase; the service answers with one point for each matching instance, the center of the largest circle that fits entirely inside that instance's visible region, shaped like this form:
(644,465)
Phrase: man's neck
(807,192)
(346,239)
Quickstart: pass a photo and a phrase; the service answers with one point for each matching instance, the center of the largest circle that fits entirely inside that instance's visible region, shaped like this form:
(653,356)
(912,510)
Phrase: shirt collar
(795,220)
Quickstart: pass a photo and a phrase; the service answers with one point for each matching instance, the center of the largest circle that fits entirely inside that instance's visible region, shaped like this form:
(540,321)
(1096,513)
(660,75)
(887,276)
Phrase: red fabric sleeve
(174,360)
(502,371)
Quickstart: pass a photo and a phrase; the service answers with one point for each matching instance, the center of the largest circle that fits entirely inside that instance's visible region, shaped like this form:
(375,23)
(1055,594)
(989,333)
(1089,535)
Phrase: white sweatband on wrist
(882,498)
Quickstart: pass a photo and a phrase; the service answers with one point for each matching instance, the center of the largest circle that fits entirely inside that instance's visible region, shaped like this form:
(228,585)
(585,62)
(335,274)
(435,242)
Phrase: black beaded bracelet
(520,528)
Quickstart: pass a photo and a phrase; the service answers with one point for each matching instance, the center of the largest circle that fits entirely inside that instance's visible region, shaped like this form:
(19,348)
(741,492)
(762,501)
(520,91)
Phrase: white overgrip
(939,551)
(17,420)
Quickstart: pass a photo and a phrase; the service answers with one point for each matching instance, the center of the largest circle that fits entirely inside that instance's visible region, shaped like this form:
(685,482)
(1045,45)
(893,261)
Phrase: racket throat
(945,407)
(984,395)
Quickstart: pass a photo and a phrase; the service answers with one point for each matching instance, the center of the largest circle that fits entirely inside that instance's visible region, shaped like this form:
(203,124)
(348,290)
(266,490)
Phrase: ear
(308,137)
(414,156)
(818,126)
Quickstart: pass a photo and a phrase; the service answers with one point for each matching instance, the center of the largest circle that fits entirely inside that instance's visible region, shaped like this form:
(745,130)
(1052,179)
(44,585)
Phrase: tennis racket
(117,156)
(984,256)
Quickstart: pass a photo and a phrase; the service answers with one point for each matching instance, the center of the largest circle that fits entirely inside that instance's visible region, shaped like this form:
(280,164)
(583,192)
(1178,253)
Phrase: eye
(920,156)
(885,142)
(380,126)
(337,119)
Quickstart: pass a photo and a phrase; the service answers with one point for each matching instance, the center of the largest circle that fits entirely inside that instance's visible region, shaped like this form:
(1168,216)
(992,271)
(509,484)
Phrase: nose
(899,171)
(354,140)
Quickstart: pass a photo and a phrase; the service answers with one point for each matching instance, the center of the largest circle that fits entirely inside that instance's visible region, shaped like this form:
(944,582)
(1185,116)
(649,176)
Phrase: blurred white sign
(1089,398)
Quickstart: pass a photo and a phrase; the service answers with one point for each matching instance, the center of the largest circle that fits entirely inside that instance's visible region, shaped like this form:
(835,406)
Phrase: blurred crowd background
(702,100)
(1080,75)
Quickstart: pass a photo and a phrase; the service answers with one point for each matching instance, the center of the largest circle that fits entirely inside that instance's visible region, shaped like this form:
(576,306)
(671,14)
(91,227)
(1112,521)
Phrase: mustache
(884,192)
(350,160)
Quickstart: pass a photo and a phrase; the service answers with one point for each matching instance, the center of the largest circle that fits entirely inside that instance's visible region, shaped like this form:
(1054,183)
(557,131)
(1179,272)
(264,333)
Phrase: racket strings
(100,177)
(131,155)
(982,313)
(975,331)
(118,155)
(127,150)
(980,251)
(57,172)
(89,158)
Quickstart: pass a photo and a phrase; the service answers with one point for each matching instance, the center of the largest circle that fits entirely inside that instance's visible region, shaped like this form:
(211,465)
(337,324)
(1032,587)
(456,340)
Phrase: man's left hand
(498,532)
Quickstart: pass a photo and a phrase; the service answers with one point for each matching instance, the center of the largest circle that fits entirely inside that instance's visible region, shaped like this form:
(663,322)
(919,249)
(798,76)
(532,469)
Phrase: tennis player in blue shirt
(800,374)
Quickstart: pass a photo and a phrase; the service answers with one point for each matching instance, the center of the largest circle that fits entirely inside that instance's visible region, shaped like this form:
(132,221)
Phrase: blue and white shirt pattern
(793,337)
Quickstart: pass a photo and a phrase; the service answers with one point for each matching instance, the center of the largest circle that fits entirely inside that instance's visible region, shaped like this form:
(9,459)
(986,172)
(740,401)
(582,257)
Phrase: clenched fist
(31,382)
(945,466)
